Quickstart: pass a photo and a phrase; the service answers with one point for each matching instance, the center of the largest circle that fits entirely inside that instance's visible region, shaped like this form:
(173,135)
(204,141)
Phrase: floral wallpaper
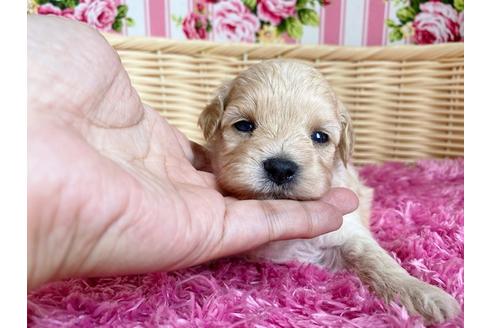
(427,22)
(105,15)
(341,22)
(251,20)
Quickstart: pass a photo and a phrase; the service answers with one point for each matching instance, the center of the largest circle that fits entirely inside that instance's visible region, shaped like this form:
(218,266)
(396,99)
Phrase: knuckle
(309,227)
(273,224)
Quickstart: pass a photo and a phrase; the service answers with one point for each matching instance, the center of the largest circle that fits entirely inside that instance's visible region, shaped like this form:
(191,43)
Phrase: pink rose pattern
(50,9)
(235,22)
(274,11)
(427,21)
(461,19)
(195,26)
(421,21)
(97,13)
(436,23)
(100,14)
(250,20)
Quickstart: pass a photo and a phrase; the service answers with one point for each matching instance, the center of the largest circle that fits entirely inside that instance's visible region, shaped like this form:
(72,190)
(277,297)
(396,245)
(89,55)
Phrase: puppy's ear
(201,157)
(211,116)
(346,145)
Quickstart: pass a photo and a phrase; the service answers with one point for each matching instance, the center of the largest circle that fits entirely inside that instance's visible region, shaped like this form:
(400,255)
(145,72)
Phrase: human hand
(111,187)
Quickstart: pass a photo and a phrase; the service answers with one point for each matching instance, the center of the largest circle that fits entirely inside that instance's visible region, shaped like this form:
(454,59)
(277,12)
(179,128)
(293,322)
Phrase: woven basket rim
(307,52)
(406,101)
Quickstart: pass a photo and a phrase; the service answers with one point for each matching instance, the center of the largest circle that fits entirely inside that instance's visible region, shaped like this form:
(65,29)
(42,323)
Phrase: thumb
(252,223)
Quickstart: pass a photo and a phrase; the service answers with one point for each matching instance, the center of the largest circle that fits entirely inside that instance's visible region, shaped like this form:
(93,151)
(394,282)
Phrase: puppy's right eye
(244,126)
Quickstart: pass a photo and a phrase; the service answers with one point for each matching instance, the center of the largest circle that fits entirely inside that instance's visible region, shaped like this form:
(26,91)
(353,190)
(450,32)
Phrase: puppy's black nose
(280,170)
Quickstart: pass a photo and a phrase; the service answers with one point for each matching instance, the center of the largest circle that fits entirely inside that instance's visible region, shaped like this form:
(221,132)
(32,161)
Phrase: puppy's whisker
(255,160)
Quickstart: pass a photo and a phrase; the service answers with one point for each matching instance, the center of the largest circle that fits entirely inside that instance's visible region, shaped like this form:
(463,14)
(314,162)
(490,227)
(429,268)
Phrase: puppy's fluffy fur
(286,101)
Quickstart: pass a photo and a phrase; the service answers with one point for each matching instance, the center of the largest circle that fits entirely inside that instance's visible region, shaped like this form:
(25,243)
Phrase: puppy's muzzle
(279,170)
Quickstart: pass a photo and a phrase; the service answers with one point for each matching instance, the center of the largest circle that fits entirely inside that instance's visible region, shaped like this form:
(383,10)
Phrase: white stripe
(354,20)
(393,8)
(342,22)
(385,26)
(365,23)
(124,28)
(311,33)
(178,9)
(136,10)
(321,27)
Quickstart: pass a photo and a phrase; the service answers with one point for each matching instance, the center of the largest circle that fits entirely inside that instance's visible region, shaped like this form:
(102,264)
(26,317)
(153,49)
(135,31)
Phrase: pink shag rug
(417,216)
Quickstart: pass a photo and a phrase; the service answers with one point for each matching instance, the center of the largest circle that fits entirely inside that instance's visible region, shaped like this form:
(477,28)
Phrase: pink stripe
(157,11)
(375,28)
(332,22)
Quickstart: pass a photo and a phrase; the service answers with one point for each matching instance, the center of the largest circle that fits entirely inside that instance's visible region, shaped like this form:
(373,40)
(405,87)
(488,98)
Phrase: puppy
(279,131)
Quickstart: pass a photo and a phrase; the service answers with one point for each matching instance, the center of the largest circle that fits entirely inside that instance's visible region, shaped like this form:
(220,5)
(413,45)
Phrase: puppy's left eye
(244,126)
(319,137)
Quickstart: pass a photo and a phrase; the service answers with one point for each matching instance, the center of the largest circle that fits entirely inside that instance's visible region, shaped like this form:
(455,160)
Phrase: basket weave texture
(406,102)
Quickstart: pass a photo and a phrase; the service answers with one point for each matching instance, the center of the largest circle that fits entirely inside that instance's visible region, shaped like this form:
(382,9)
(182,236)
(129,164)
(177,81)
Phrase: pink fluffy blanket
(417,217)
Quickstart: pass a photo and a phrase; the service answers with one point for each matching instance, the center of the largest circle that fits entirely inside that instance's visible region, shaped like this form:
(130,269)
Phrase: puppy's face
(276,131)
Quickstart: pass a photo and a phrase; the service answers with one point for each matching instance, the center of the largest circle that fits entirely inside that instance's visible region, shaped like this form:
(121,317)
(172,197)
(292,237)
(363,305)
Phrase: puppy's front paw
(431,302)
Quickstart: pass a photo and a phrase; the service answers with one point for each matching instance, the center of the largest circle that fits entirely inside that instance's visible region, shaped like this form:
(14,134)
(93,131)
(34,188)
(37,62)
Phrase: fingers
(252,223)
(344,199)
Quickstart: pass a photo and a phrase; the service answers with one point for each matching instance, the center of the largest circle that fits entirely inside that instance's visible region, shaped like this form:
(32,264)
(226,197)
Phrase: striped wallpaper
(342,22)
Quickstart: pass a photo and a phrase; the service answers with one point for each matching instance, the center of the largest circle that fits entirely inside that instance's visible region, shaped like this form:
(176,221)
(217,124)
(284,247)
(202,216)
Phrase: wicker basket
(406,102)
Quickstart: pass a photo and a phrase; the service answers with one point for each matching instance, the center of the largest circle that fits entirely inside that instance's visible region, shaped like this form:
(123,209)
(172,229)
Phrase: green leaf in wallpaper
(415,4)
(405,14)
(449,2)
(294,27)
(251,4)
(71,3)
(130,21)
(117,25)
(310,3)
(177,20)
(391,23)
(282,27)
(62,4)
(459,5)
(122,11)
(308,17)
(395,35)
(301,3)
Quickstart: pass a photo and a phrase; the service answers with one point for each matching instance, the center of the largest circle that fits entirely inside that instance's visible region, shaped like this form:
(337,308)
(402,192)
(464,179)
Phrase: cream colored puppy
(279,131)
